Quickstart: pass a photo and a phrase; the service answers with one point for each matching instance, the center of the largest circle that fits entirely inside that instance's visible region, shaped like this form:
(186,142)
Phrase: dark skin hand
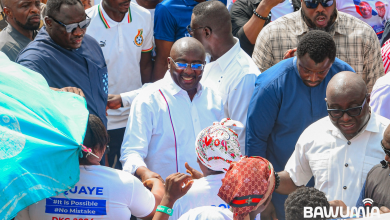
(174,190)
(144,174)
(194,173)
(157,189)
(269,213)
(114,102)
(70,89)
(289,53)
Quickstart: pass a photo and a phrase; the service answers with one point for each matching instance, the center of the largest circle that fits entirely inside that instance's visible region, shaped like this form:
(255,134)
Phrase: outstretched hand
(289,53)
(194,173)
(177,185)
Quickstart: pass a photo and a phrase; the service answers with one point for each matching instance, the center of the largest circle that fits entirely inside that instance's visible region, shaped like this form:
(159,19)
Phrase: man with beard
(23,17)
(356,42)
(68,58)
(288,97)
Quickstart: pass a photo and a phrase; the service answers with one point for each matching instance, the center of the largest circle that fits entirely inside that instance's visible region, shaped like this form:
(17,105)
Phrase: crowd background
(260,102)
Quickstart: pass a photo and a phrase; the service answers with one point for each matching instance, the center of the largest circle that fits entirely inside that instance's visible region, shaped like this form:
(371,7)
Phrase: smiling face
(320,17)
(68,14)
(312,74)
(365,9)
(24,13)
(188,79)
(349,126)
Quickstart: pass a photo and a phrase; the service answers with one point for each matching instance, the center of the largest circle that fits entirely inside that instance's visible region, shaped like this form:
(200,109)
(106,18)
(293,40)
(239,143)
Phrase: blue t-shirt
(172,18)
(84,68)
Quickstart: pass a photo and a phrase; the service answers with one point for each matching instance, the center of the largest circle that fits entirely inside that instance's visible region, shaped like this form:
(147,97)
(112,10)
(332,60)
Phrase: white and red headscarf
(217,146)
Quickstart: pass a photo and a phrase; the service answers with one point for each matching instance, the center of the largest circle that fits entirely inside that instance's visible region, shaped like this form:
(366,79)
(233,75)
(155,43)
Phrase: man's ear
(7,11)
(207,31)
(48,22)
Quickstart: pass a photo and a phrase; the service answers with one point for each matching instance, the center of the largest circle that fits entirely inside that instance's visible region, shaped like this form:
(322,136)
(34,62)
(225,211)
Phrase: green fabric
(40,135)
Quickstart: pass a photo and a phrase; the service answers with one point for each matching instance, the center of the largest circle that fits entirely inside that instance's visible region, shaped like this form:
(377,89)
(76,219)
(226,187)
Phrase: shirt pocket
(103,78)
(368,164)
(319,166)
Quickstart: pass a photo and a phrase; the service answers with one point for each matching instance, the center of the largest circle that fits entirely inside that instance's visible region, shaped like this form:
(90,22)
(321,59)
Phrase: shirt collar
(190,2)
(372,126)
(302,27)
(226,59)
(108,22)
(173,88)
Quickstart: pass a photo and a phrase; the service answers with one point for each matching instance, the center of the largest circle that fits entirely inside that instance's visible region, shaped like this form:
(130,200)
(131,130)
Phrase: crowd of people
(219,109)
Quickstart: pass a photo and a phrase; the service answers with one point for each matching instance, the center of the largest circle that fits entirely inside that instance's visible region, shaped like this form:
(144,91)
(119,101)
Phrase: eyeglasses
(387,151)
(338,113)
(314,3)
(183,66)
(190,30)
(71,27)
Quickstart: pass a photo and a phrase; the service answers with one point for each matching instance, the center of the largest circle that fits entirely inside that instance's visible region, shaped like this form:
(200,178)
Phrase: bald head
(347,91)
(212,14)
(346,83)
(188,45)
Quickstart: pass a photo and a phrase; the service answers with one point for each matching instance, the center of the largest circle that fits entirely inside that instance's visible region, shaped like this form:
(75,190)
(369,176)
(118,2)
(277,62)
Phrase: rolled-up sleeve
(262,114)
(137,135)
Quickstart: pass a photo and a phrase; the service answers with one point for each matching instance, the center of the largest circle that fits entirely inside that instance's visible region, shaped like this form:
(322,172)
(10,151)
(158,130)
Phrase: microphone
(385,164)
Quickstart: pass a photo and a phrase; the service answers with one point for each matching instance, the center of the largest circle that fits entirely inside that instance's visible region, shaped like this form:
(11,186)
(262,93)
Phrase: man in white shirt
(217,147)
(124,31)
(380,96)
(166,117)
(231,71)
(340,149)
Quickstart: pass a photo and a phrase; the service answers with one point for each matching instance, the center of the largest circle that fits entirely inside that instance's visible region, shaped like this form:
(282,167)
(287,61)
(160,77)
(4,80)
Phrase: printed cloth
(217,146)
(248,185)
(40,135)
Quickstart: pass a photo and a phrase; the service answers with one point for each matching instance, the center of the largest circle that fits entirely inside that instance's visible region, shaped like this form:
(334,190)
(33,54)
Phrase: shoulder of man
(275,72)
(351,22)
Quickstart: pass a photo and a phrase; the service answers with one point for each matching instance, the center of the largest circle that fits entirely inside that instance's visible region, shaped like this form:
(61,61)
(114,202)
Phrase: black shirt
(241,12)
(378,186)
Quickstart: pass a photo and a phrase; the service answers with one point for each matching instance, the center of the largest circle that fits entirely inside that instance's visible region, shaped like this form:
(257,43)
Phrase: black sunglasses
(338,113)
(387,151)
(71,27)
(314,3)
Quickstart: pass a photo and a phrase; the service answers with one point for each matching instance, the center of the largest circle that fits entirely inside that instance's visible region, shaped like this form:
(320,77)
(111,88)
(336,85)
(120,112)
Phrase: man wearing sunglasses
(356,42)
(167,116)
(68,58)
(340,149)
(376,186)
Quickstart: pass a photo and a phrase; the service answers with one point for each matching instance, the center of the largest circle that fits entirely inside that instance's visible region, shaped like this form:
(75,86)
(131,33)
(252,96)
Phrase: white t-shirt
(207,213)
(373,12)
(282,9)
(204,192)
(102,193)
(122,44)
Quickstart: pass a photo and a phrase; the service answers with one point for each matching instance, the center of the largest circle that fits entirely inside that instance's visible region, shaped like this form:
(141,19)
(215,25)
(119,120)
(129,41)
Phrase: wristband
(165,210)
(261,17)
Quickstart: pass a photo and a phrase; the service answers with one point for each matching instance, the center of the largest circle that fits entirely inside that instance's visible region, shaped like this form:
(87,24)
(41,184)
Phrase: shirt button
(349,143)
(346,165)
(344,187)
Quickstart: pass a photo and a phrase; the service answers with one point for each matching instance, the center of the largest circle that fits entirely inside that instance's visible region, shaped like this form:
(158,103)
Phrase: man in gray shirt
(23,18)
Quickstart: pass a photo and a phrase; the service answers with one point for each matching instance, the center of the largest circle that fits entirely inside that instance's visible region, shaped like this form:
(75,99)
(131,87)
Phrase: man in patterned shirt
(356,42)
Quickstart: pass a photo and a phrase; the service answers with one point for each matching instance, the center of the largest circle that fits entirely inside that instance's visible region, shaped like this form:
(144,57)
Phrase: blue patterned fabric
(40,135)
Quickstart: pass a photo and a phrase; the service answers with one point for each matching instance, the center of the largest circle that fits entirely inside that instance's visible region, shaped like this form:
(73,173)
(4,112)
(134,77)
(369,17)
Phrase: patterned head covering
(247,185)
(217,146)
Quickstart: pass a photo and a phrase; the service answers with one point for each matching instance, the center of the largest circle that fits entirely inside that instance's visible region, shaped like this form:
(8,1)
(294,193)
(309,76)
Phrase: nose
(188,70)
(78,31)
(345,117)
(320,8)
(35,9)
(313,77)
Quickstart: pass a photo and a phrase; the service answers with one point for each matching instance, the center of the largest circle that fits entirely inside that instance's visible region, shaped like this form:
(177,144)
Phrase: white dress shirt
(380,96)
(233,76)
(122,44)
(339,168)
(163,139)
